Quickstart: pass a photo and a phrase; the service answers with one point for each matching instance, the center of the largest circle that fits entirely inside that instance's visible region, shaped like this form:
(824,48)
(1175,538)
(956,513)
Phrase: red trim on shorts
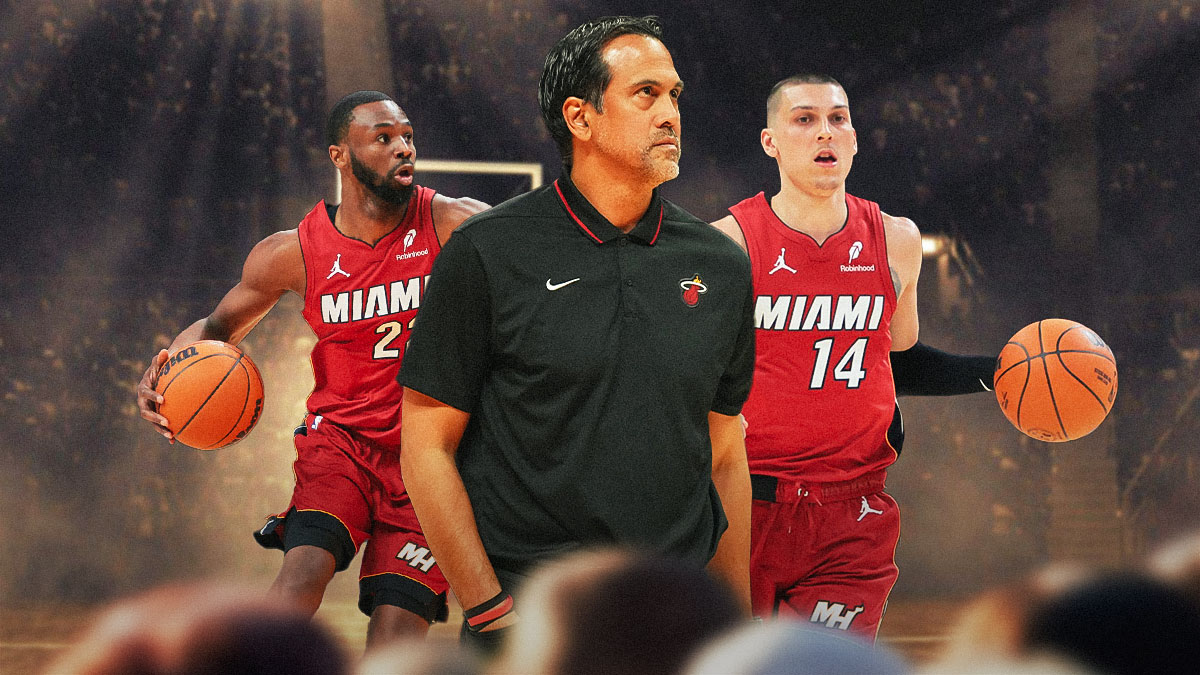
(348,532)
(402,576)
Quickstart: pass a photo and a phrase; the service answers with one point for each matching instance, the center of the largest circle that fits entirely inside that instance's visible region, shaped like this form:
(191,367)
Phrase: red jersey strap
(751,208)
(869,212)
(423,198)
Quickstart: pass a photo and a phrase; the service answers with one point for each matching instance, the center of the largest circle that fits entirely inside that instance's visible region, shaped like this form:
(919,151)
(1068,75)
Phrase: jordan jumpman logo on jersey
(781,264)
(337,268)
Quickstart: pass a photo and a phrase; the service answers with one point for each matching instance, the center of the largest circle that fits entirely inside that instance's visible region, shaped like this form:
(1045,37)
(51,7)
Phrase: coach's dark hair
(574,67)
(339,117)
(801,78)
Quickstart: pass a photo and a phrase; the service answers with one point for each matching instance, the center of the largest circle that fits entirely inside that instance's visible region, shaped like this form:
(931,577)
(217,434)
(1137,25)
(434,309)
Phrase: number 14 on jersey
(849,368)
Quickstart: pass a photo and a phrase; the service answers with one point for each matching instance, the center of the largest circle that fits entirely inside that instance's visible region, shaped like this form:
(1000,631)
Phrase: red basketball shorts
(348,492)
(830,562)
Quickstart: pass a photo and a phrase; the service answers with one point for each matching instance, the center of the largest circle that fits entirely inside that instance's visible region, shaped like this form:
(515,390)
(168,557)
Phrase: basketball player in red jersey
(835,291)
(361,268)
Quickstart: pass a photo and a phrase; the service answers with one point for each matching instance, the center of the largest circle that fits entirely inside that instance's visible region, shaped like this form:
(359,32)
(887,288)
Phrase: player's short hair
(343,111)
(799,78)
(574,67)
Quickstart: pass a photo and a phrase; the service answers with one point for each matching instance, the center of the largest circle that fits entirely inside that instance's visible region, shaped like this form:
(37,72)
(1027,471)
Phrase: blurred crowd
(1148,180)
(1148,172)
(617,612)
(148,144)
(182,123)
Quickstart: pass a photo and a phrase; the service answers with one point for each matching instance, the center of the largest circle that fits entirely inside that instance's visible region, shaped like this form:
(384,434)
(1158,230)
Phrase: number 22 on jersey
(387,347)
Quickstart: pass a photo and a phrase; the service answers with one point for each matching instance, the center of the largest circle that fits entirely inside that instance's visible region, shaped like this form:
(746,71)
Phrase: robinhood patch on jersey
(855,250)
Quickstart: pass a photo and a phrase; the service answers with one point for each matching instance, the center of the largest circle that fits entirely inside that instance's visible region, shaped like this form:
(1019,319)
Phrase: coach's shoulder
(537,203)
(673,213)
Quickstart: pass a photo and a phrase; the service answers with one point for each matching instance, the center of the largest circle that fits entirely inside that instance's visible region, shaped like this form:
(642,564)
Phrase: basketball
(1056,380)
(212,394)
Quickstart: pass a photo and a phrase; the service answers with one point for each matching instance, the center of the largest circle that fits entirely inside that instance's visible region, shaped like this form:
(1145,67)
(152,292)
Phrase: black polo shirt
(589,360)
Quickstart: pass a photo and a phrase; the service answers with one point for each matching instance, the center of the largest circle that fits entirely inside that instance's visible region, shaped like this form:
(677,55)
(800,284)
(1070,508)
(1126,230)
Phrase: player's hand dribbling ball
(212,394)
(1056,380)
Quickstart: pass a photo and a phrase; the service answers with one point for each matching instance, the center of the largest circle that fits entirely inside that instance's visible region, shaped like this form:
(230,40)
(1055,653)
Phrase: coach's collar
(598,228)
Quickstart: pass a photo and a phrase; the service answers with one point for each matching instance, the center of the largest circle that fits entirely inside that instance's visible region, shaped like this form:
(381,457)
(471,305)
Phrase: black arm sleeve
(922,370)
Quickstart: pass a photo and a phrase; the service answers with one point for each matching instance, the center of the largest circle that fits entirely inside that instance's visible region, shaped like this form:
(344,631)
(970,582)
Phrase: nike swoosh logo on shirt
(555,287)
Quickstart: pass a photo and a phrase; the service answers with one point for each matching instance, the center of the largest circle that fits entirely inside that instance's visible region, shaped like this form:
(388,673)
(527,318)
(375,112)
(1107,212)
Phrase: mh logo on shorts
(417,556)
(834,614)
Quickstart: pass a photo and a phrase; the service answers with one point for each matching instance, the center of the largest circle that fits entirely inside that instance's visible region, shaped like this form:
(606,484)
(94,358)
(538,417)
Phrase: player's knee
(389,623)
(306,569)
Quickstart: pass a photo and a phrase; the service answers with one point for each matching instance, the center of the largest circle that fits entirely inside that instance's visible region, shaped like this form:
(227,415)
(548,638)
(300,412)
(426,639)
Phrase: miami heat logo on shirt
(692,288)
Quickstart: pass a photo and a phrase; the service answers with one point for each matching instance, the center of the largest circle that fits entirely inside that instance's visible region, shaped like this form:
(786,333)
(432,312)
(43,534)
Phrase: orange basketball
(1056,380)
(212,394)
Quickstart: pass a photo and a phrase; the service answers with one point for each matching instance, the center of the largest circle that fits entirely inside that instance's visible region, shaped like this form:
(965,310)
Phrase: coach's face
(638,130)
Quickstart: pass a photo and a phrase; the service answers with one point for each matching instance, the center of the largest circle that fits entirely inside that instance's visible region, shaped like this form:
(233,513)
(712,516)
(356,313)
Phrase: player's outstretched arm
(274,266)
(731,476)
(449,213)
(429,440)
(922,370)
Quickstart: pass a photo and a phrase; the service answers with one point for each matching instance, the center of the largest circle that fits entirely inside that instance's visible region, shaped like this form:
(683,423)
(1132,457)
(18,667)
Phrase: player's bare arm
(429,440)
(730,228)
(904,261)
(449,213)
(274,266)
(731,476)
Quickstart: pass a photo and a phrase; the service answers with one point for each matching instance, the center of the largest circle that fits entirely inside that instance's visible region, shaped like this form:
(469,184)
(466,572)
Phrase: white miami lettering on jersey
(834,614)
(785,312)
(381,300)
(417,556)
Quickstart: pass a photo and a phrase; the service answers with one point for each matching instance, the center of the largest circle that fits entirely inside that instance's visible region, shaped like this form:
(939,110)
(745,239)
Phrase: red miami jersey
(823,396)
(360,300)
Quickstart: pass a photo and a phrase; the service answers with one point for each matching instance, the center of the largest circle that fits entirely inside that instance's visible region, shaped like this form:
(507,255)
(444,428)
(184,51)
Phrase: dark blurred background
(1048,150)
